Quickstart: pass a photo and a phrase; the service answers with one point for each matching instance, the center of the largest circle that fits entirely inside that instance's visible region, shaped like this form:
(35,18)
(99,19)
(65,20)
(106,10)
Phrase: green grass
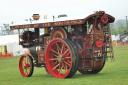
(113,73)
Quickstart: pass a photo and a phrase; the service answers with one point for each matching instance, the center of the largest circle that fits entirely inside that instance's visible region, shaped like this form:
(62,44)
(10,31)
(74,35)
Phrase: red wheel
(60,59)
(26,65)
(46,69)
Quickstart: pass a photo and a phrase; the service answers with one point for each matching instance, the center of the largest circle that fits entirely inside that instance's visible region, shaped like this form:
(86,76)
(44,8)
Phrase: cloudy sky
(19,10)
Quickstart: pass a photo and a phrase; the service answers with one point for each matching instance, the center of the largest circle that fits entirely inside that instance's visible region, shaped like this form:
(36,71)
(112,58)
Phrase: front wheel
(61,59)
(26,66)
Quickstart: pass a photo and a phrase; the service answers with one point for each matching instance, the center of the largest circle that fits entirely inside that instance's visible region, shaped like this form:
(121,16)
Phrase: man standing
(79,30)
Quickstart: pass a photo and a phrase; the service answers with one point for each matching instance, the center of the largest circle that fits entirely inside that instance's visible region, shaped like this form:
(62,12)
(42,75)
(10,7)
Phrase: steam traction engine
(56,50)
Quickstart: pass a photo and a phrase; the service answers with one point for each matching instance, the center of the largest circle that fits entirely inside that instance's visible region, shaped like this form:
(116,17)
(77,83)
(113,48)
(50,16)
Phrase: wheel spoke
(67,57)
(61,70)
(62,48)
(55,55)
(58,50)
(65,52)
(68,53)
(26,71)
(59,66)
(54,51)
(22,63)
(55,63)
(64,67)
(28,61)
(58,47)
(67,63)
(56,66)
(24,60)
(28,65)
(53,59)
(29,68)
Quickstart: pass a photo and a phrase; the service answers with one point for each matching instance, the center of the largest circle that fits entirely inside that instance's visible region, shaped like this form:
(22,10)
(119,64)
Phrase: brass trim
(46,30)
(19,35)
(87,28)
(36,49)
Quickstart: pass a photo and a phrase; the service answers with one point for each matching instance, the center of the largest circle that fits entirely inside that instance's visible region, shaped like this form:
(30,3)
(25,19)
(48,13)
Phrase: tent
(4,40)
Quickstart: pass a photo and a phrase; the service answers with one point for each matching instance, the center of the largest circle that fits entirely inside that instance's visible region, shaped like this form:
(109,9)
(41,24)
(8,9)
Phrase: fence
(17,53)
(122,43)
(6,54)
(115,43)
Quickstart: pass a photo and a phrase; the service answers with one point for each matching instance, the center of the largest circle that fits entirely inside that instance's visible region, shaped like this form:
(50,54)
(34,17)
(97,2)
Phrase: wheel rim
(58,58)
(46,69)
(25,66)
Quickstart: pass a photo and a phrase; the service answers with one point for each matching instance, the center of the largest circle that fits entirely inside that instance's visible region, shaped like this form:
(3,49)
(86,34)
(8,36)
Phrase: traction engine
(67,45)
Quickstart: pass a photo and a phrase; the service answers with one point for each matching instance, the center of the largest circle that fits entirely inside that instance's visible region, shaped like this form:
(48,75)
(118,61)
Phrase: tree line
(118,26)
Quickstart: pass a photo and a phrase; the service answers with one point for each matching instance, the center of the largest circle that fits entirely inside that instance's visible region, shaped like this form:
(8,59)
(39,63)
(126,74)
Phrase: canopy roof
(57,21)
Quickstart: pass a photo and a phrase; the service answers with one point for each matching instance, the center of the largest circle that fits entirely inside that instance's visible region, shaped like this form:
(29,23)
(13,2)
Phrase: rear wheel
(26,65)
(94,71)
(61,58)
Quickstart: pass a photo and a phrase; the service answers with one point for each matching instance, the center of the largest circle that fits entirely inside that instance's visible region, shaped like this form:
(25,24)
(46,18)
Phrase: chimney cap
(36,16)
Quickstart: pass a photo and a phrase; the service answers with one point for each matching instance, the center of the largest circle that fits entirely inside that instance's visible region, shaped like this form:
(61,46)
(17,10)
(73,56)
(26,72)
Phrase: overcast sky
(19,10)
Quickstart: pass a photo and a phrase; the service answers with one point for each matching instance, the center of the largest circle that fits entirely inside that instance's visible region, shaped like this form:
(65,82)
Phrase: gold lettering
(55,23)
(48,24)
(64,22)
(58,23)
(26,26)
(61,23)
(21,26)
(43,25)
(68,23)
(74,22)
(16,27)
(80,22)
(36,25)
(71,22)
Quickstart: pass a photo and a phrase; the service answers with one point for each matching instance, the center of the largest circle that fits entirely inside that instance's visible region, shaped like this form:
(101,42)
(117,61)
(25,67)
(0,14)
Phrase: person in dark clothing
(79,30)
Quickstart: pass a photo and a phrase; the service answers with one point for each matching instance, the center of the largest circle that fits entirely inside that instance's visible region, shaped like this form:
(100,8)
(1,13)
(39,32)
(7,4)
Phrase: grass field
(113,73)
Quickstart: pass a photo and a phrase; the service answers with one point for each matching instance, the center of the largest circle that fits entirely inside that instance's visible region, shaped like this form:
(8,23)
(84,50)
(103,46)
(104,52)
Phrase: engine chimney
(36,17)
